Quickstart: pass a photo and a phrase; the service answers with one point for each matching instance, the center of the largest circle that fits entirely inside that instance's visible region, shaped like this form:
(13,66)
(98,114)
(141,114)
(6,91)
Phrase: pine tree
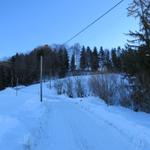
(72,65)
(63,62)
(88,58)
(107,61)
(2,78)
(101,58)
(83,59)
(114,59)
(141,9)
(140,58)
(95,60)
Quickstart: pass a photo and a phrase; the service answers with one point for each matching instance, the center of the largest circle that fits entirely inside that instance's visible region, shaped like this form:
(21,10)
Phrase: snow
(70,124)
(135,126)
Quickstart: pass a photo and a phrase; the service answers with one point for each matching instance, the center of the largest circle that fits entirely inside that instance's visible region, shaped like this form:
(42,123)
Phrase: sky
(26,24)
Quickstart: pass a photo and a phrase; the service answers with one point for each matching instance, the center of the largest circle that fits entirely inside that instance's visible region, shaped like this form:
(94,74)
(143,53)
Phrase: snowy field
(61,123)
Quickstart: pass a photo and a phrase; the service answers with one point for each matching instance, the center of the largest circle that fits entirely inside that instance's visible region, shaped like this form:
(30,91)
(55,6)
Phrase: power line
(96,20)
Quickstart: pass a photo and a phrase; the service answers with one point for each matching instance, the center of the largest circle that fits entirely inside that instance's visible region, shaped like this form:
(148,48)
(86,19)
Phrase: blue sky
(26,24)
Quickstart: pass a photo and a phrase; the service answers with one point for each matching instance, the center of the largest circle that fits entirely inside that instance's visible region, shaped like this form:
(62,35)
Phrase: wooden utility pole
(17,82)
(41,77)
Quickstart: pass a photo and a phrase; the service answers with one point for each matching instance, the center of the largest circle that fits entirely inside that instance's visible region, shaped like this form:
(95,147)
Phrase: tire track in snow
(137,142)
(79,139)
(34,138)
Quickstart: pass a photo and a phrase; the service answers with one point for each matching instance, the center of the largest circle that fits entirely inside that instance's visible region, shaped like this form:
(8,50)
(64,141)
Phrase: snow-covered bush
(79,87)
(59,86)
(69,87)
(111,88)
(27,145)
(104,87)
(124,94)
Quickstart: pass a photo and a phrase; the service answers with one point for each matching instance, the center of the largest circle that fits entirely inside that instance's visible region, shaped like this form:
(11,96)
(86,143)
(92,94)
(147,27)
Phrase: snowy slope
(69,124)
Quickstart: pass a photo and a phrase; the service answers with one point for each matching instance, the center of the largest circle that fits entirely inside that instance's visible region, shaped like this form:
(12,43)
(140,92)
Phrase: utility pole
(41,77)
(17,81)
(12,82)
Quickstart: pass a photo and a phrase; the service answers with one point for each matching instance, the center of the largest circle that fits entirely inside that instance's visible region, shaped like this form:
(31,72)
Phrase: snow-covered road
(71,128)
(61,123)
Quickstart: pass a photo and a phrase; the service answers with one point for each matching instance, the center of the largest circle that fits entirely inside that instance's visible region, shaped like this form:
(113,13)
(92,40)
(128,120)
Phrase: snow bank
(135,126)
(19,117)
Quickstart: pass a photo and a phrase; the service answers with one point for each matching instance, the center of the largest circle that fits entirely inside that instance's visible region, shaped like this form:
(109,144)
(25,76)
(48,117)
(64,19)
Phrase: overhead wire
(93,22)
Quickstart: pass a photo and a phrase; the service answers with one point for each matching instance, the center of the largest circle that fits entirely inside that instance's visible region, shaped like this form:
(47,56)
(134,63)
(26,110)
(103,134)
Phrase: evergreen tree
(119,65)
(107,61)
(2,78)
(83,59)
(101,58)
(114,59)
(95,60)
(139,61)
(63,62)
(72,65)
(88,58)
(101,54)
(141,9)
